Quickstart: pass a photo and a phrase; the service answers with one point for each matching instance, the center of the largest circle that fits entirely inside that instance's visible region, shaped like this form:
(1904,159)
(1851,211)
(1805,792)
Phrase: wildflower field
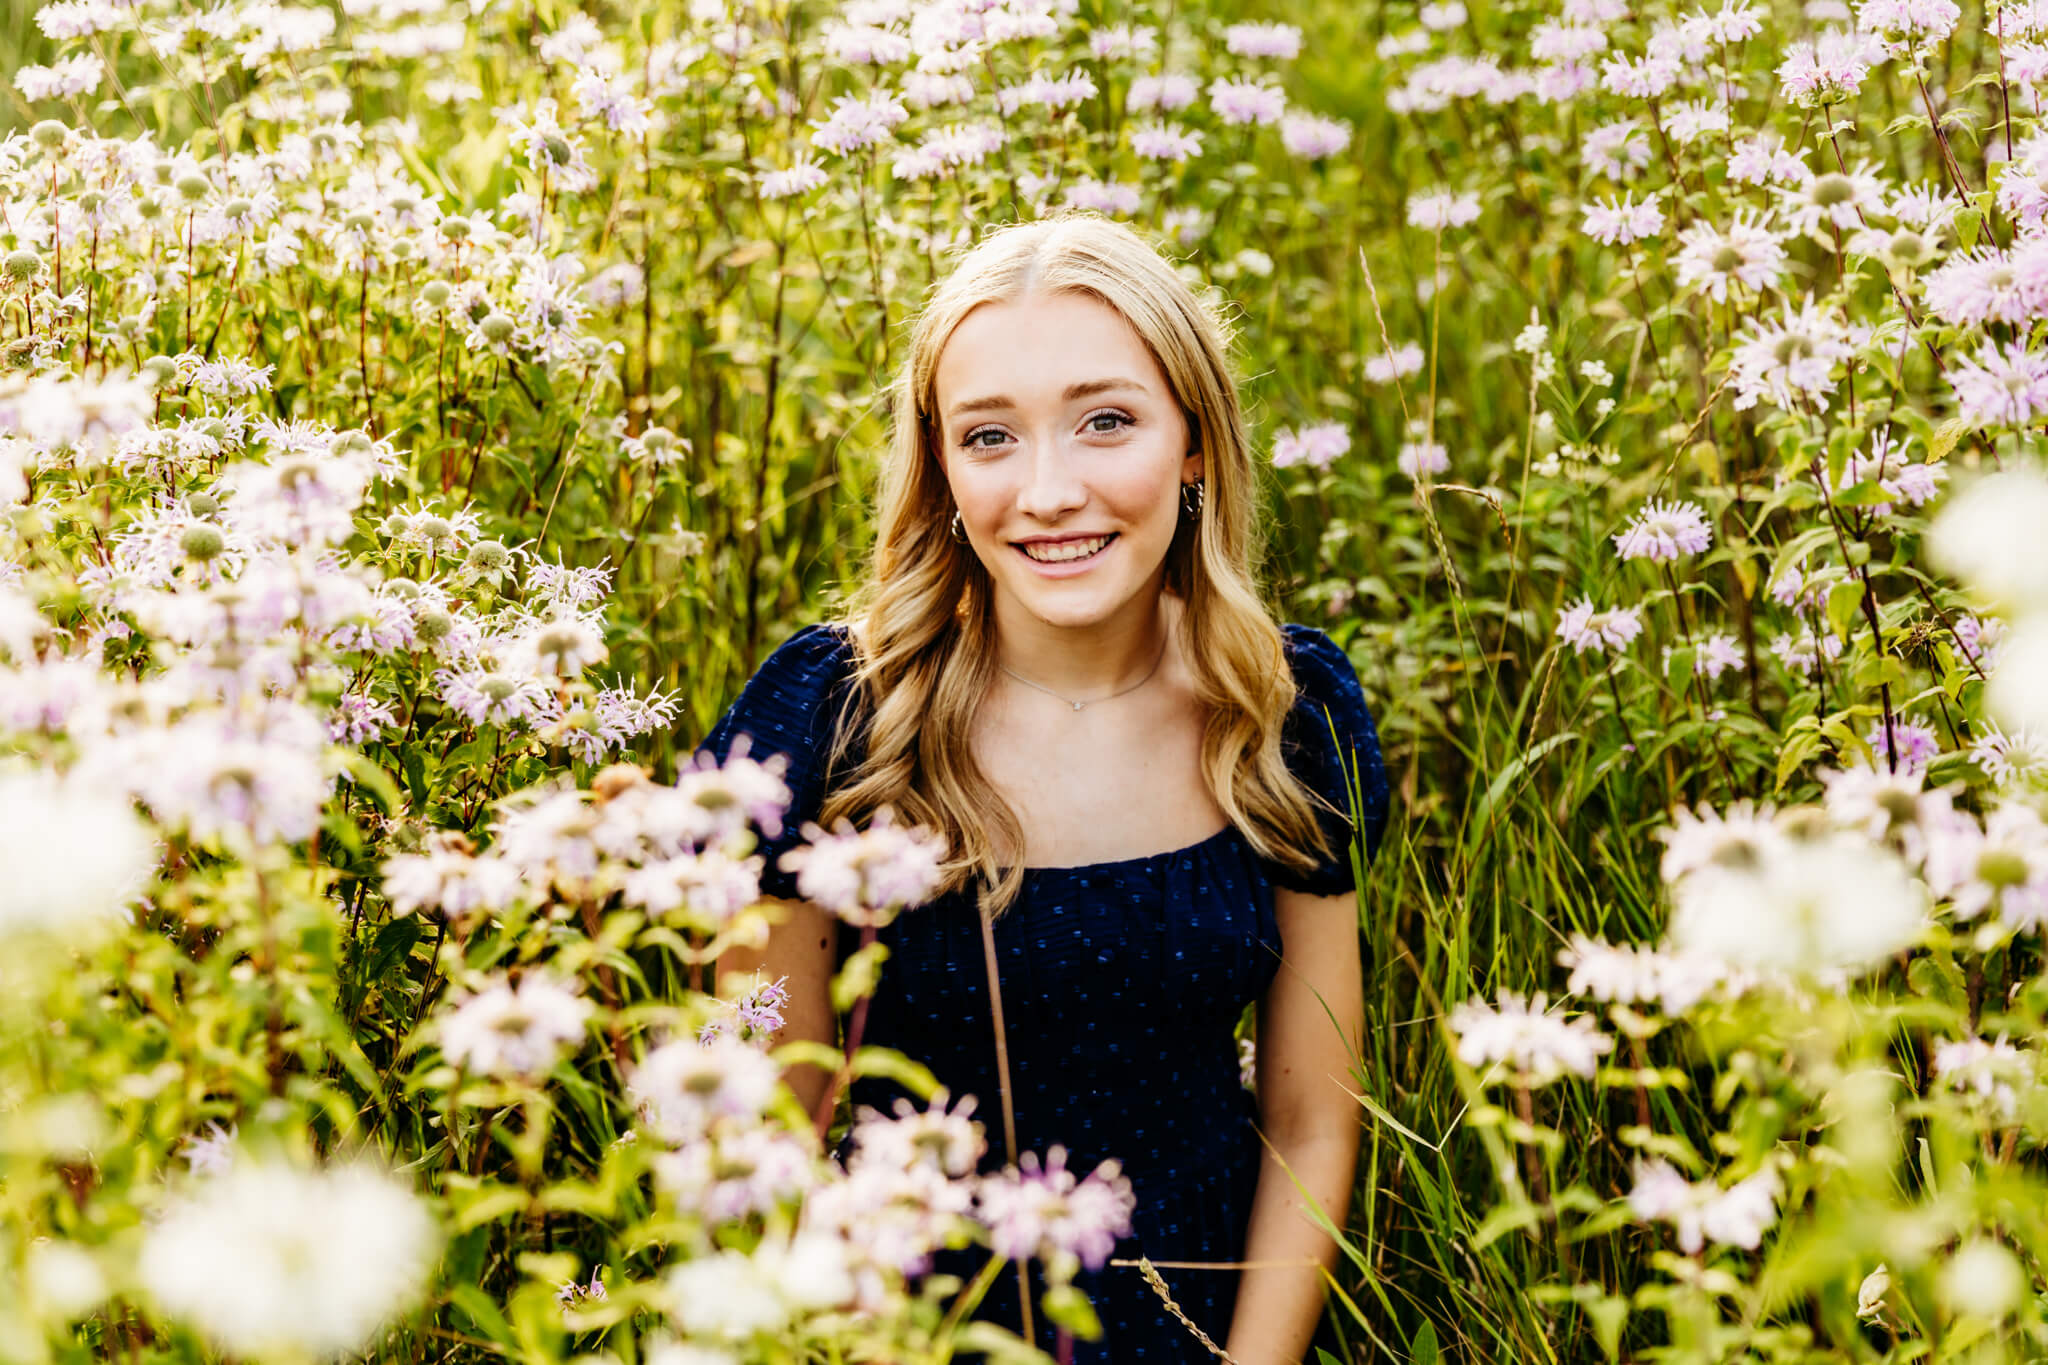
(417,418)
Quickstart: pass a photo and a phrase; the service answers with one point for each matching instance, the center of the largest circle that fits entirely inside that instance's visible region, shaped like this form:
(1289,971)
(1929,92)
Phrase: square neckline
(1166,855)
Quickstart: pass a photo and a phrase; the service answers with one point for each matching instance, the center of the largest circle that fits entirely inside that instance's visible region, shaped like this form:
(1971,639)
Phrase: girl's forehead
(1052,338)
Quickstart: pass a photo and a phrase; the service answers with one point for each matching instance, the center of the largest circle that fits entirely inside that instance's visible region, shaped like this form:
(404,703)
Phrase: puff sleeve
(789,708)
(1332,746)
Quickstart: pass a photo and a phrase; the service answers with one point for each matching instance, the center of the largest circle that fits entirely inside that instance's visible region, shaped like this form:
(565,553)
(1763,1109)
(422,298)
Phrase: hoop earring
(1192,496)
(959,529)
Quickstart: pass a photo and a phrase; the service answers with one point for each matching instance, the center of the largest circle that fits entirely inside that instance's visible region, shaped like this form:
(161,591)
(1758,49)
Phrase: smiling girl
(1061,662)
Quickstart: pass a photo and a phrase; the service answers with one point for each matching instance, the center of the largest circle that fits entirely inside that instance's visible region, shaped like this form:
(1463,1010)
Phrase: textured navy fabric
(1122,983)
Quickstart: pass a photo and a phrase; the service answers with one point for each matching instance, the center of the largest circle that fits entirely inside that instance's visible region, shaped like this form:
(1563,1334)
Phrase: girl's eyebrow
(1086,388)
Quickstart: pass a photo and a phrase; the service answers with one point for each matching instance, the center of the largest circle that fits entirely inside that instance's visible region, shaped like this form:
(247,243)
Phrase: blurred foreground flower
(75,859)
(1046,1211)
(1702,1213)
(1800,905)
(270,1259)
(866,876)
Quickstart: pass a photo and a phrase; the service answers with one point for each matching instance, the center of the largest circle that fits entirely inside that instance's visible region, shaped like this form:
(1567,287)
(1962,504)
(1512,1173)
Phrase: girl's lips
(1067,568)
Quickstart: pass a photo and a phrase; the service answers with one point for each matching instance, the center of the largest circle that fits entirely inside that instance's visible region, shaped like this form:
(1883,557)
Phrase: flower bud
(1983,1280)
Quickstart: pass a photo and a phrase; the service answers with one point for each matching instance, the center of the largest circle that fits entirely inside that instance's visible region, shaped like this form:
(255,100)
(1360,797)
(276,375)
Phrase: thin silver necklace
(1077,705)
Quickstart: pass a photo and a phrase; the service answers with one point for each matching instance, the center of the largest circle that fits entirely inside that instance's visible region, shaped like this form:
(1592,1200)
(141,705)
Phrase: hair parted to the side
(922,620)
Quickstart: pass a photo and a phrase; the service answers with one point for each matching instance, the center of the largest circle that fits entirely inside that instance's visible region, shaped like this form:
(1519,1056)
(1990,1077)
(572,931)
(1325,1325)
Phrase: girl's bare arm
(801,946)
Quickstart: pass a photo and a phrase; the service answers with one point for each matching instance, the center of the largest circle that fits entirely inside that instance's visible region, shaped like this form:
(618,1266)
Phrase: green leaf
(887,1061)
(1422,1347)
(1843,600)
(858,977)
(483,1314)
(393,944)
(1943,438)
(1068,1307)
(1966,225)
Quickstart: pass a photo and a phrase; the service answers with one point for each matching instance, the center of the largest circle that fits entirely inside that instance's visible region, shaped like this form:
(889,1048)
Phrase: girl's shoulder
(1332,745)
(785,717)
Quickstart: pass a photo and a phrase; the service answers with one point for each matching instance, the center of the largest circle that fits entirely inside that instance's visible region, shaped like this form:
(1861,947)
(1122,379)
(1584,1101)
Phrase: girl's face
(1066,451)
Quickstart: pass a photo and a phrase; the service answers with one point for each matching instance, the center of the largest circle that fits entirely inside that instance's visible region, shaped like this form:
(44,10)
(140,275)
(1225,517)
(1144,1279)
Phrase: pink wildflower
(1662,531)
(1043,1211)
(1315,446)
(1622,221)
(2001,385)
(866,876)
(1246,102)
(1586,628)
(1282,41)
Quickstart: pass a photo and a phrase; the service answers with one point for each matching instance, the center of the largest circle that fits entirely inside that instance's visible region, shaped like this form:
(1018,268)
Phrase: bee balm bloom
(1536,1046)
(1663,531)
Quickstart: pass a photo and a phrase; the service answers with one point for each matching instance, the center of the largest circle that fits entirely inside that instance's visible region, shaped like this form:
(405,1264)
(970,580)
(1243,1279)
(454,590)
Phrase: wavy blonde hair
(922,622)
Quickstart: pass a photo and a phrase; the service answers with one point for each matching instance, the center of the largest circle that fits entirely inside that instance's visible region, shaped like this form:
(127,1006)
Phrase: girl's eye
(1120,419)
(973,438)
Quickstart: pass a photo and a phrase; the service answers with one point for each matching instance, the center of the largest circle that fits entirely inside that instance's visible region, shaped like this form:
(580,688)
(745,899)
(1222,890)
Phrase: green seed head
(497,328)
(489,556)
(90,201)
(203,542)
(359,221)
(350,443)
(49,134)
(435,292)
(22,266)
(433,624)
(455,228)
(402,250)
(658,440)
(239,208)
(1832,189)
(402,587)
(148,209)
(1908,248)
(557,149)
(434,528)
(193,188)
(201,504)
(213,428)
(2001,867)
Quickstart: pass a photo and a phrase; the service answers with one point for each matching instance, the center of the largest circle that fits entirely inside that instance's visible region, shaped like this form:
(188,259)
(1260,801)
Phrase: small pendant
(1079,704)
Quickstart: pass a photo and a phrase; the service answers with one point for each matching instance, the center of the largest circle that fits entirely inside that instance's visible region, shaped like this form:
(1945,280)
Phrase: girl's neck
(1095,660)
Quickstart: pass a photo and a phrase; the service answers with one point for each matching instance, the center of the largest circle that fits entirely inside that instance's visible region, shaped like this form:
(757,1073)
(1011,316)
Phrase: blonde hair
(922,624)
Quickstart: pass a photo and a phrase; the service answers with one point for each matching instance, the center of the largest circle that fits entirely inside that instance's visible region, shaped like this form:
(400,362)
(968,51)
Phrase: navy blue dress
(1122,984)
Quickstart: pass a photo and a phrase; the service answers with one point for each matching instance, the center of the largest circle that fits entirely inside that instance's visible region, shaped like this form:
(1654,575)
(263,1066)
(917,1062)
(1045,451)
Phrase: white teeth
(1066,550)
